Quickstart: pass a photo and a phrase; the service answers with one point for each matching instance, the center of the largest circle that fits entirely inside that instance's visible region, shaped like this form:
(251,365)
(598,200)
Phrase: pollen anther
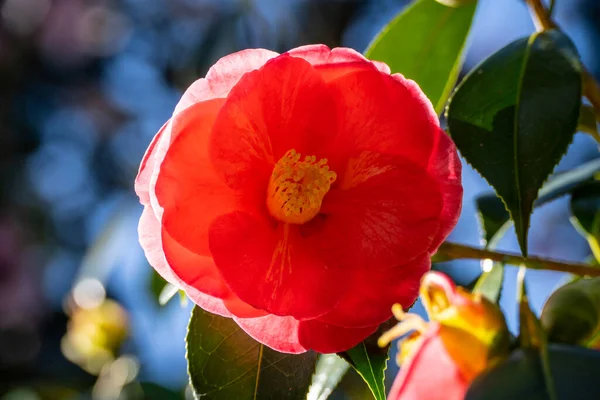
(296,188)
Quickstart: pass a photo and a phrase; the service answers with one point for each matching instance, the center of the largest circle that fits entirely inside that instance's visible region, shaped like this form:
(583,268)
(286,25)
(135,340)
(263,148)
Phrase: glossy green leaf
(494,222)
(225,363)
(425,43)
(514,116)
(572,313)
(575,371)
(585,214)
(329,372)
(489,284)
(585,207)
(532,335)
(370,361)
(493,218)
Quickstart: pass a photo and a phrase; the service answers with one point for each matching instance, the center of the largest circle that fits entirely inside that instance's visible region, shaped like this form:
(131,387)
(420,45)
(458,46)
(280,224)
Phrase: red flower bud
(466,335)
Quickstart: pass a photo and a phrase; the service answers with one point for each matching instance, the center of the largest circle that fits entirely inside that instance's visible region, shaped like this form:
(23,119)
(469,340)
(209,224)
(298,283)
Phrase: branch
(452,251)
(543,21)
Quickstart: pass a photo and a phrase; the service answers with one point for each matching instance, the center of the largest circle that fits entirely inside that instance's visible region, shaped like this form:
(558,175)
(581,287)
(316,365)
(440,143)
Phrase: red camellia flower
(300,194)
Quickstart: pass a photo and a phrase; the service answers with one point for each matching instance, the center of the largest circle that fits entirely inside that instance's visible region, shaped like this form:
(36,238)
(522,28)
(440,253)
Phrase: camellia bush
(299,200)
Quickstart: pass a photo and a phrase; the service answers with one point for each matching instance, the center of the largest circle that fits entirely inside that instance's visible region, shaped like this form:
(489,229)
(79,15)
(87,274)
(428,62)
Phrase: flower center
(296,188)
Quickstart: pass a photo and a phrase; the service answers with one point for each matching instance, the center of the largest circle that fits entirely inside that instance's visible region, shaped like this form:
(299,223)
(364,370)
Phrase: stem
(452,251)
(542,21)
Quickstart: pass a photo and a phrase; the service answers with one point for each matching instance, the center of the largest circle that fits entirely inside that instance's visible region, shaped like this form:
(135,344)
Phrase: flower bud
(466,334)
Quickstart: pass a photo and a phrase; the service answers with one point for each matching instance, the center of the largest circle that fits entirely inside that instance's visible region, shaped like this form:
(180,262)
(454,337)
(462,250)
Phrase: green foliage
(225,363)
(162,290)
(370,361)
(572,313)
(520,377)
(425,43)
(585,207)
(532,335)
(492,213)
(493,218)
(517,135)
(329,372)
(490,282)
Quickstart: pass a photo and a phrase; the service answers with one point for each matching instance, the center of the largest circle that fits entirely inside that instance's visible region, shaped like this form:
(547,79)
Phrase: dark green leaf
(493,218)
(572,313)
(494,222)
(425,42)
(531,334)
(370,361)
(530,329)
(157,284)
(490,282)
(585,207)
(520,377)
(585,210)
(225,363)
(162,290)
(514,116)
(329,372)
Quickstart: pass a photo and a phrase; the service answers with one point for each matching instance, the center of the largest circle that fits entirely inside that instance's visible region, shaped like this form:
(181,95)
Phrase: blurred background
(84,86)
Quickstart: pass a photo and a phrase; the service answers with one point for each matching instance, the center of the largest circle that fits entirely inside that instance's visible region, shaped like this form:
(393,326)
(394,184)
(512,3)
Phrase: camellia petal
(422,378)
(188,188)
(320,55)
(326,338)
(367,305)
(374,216)
(383,114)
(151,242)
(283,106)
(279,333)
(445,168)
(142,181)
(293,279)
(223,76)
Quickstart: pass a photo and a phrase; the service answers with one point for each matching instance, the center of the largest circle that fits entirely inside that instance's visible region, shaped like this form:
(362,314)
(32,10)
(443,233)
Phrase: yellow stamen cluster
(296,188)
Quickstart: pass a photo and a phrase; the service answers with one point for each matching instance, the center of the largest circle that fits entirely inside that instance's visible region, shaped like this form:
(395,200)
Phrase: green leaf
(162,290)
(565,182)
(425,43)
(532,335)
(370,361)
(225,363)
(585,211)
(585,207)
(493,218)
(329,372)
(575,371)
(572,313)
(490,283)
(514,116)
